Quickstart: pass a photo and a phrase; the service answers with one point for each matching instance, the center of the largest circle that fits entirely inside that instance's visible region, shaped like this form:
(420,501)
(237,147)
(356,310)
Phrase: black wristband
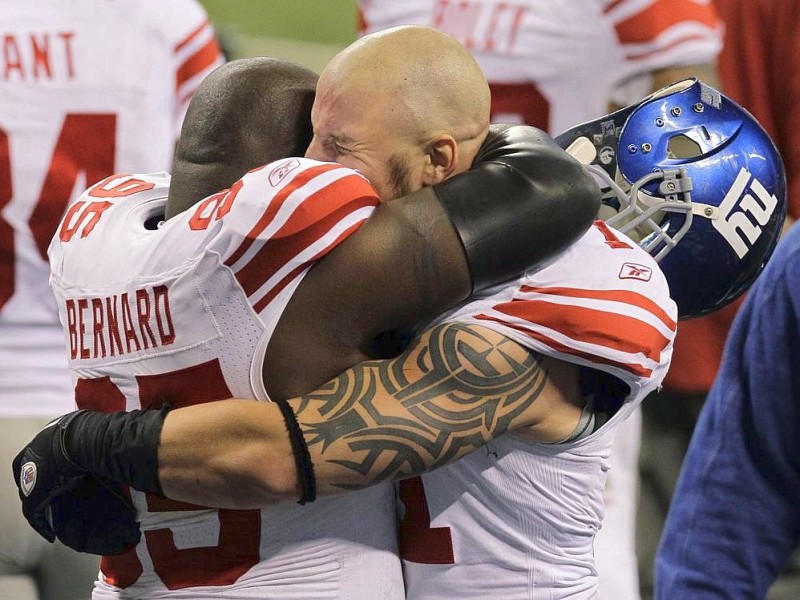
(302,458)
(119,447)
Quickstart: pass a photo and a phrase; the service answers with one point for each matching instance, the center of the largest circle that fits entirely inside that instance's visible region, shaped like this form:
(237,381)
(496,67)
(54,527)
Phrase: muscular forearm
(457,388)
(454,389)
(227,454)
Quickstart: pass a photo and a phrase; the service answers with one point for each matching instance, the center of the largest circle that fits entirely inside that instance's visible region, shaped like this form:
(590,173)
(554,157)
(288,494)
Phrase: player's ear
(442,154)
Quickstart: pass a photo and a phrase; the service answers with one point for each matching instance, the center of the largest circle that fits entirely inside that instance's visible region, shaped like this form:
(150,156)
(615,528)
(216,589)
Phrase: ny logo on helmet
(735,223)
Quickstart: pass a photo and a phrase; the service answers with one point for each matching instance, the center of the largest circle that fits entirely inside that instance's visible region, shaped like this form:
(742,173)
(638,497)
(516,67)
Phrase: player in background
(555,63)
(207,289)
(89,88)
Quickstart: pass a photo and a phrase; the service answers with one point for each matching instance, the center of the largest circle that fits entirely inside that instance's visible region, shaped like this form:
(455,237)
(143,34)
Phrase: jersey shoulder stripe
(603,323)
(551,346)
(624,297)
(304,219)
(646,28)
(588,305)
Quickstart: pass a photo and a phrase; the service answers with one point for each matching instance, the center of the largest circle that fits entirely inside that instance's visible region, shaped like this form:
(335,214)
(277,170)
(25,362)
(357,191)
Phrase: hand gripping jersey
(184,312)
(89,88)
(555,63)
(517,519)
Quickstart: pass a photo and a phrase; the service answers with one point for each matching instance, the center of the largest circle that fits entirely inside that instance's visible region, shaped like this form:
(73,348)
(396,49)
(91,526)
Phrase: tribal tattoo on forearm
(449,393)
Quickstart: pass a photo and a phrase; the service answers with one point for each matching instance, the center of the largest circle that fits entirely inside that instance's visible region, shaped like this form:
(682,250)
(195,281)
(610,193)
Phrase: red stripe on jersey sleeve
(275,290)
(612,5)
(180,45)
(650,23)
(622,333)
(622,296)
(310,222)
(679,42)
(198,62)
(275,204)
(361,21)
(634,368)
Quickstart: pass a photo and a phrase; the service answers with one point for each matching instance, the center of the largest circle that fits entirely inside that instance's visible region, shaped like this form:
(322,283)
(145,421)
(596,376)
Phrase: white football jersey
(183,313)
(516,520)
(556,63)
(89,88)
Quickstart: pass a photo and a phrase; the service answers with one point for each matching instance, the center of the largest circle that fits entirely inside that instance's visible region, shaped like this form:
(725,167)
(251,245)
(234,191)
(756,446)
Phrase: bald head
(412,85)
(245,114)
(430,73)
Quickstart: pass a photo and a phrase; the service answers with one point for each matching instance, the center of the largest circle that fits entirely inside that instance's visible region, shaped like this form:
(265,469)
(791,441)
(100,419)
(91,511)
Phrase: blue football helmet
(696,181)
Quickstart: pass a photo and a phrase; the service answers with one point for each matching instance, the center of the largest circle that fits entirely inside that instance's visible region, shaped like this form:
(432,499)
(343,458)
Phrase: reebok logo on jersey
(27,478)
(280,172)
(634,271)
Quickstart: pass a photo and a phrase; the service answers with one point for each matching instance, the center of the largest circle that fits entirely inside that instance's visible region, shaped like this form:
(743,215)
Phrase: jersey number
(419,542)
(86,144)
(239,530)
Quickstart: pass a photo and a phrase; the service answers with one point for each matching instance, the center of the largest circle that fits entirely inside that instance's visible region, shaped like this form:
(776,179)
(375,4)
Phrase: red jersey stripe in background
(678,42)
(361,22)
(623,296)
(619,332)
(646,25)
(635,368)
(180,45)
(198,62)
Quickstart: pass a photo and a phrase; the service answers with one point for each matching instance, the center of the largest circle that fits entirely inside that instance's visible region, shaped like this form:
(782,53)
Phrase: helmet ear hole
(682,146)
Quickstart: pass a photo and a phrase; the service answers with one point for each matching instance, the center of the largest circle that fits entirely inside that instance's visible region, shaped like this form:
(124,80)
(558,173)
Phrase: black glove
(96,517)
(65,486)
(42,472)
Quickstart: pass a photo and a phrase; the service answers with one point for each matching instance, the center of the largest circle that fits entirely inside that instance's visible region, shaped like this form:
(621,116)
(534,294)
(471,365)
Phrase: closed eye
(340,149)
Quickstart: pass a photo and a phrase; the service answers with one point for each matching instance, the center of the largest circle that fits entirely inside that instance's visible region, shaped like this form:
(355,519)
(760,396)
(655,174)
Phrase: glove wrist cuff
(120,447)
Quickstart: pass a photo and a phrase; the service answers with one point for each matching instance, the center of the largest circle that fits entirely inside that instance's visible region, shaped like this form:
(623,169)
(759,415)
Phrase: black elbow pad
(523,202)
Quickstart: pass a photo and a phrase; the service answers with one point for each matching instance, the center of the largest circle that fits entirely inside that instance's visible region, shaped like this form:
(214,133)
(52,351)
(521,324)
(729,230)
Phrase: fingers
(40,518)
(95,517)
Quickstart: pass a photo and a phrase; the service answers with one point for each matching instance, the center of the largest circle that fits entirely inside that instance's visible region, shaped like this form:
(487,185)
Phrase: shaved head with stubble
(408,107)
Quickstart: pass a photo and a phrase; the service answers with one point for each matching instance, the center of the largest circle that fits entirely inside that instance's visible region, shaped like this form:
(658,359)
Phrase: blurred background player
(89,88)
(555,63)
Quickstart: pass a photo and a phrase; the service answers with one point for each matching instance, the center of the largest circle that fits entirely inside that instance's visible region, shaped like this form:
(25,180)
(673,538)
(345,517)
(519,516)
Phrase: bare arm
(454,390)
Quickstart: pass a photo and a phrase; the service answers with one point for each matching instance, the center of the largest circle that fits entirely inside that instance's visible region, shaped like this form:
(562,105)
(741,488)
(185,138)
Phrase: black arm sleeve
(548,199)
(120,447)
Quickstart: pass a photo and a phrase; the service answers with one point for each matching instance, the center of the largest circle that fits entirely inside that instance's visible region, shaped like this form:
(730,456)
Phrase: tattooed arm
(456,388)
